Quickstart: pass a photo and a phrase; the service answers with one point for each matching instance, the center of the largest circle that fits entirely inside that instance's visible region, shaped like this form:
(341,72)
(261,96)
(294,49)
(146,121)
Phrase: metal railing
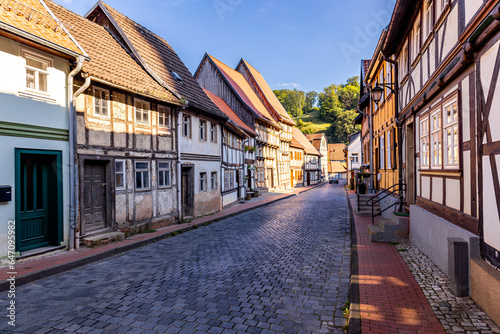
(398,191)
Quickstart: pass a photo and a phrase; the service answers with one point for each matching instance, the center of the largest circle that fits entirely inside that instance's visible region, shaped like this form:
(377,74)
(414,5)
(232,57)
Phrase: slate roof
(268,93)
(222,105)
(159,59)
(336,151)
(302,139)
(109,60)
(241,88)
(32,16)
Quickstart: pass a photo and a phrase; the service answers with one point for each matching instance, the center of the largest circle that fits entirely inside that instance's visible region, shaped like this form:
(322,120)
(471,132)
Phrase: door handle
(104,184)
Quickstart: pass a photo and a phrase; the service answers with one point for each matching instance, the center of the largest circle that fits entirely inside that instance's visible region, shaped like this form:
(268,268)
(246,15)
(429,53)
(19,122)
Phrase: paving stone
(282,268)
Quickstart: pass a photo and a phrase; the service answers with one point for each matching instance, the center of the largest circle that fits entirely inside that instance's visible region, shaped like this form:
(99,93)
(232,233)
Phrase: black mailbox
(5,193)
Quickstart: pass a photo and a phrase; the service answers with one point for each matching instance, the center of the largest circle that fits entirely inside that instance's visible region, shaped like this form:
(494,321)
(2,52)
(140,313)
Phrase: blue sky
(293,43)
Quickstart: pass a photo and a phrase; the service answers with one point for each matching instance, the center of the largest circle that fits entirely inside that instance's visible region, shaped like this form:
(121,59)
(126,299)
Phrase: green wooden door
(38,200)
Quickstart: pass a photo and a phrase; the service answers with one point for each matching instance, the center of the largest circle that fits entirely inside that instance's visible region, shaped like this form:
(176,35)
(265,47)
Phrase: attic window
(177,77)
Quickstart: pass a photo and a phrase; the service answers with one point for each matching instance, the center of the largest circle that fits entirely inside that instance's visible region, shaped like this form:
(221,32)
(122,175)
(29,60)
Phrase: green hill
(312,123)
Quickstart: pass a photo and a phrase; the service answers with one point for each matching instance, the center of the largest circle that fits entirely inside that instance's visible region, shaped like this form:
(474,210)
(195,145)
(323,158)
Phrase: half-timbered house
(37,56)
(312,163)
(126,147)
(320,143)
(276,110)
(198,121)
(235,134)
(337,161)
(232,87)
(297,158)
(448,61)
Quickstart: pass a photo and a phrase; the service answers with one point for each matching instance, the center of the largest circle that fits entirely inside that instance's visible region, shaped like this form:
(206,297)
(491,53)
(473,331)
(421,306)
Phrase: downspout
(72,148)
(179,171)
(372,158)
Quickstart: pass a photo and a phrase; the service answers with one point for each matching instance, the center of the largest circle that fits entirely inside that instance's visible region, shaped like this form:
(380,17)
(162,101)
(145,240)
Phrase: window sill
(441,172)
(37,96)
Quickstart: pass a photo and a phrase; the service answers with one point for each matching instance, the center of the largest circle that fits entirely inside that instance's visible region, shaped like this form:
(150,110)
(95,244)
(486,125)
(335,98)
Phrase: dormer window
(176,76)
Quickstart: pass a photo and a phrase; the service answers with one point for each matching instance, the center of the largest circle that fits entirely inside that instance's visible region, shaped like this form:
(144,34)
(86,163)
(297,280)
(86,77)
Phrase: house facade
(37,64)
(320,143)
(276,110)
(337,161)
(233,88)
(312,162)
(297,158)
(447,69)
(354,155)
(235,137)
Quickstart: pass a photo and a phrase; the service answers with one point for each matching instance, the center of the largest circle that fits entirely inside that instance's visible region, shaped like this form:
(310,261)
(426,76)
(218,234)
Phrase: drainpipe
(72,147)
(179,176)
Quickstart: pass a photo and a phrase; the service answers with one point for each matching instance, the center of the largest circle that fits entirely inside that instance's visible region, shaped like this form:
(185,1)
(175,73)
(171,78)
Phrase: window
(164,176)
(450,118)
(428,23)
(382,151)
(141,175)
(226,180)
(213,180)
(381,83)
(415,46)
(101,102)
(404,61)
(120,174)
(203,130)
(37,72)
(389,149)
(424,142)
(141,111)
(203,181)
(355,158)
(213,132)
(436,139)
(388,75)
(231,179)
(186,126)
(164,117)
(440,6)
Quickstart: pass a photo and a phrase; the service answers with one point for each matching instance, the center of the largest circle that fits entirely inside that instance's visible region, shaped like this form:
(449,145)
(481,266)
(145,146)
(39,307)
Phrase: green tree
(342,127)
(310,102)
(292,100)
(329,104)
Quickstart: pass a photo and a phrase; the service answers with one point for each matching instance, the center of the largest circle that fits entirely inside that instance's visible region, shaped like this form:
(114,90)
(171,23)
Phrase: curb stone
(354,319)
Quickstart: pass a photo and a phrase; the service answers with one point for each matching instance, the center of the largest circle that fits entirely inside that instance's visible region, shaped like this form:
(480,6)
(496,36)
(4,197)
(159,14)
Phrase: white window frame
(415,45)
(388,145)
(203,130)
(405,63)
(25,67)
(424,143)
(213,180)
(144,174)
(213,132)
(123,173)
(203,182)
(106,99)
(428,22)
(436,139)
(381,146)
(440,6)
(226,180)
(186,126)
(164,117)
(231,179)
(166,172)
(144,111)
(451,142)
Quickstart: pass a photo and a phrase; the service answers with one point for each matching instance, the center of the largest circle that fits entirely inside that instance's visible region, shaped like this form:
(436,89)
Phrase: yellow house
(380,74)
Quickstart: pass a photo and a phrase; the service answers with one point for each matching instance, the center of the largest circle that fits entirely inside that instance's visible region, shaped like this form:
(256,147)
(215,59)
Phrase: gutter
(73,170)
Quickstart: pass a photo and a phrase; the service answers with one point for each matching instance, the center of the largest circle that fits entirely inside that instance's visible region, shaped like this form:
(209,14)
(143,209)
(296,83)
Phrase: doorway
(39,199)
(410,164)
(187,191)
(270,177)
(95,195)
(238,183)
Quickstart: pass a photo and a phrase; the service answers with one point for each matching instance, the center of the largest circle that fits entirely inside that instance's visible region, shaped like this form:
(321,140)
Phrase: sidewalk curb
(354,320)
(57,269)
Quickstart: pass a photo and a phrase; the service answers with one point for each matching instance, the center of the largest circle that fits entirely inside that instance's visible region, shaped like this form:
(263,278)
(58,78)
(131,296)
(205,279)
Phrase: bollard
(458,266)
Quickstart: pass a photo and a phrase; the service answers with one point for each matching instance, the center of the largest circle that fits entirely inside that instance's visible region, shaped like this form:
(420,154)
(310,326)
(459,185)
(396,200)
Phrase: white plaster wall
(487,65)
(429,233)
(465,110)
(437,190)
(354,147)
(25,110)
(229,198)
(210,200)
(490,214)
(448,33)
(471,8)
(453,193)
(426,187)
(7,177)
(467,185)
(196,146)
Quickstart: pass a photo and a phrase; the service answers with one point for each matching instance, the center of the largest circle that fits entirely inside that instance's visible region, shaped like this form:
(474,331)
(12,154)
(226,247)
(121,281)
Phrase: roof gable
(266,91)
(336,151)
(302,139)
(158,58)
(36,19)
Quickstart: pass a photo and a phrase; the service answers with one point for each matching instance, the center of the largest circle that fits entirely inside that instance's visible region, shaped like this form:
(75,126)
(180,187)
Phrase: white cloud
(289,84)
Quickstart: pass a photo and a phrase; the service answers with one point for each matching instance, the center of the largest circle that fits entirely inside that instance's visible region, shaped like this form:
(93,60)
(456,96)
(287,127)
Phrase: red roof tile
(222,105)
(336,151)
(302,139)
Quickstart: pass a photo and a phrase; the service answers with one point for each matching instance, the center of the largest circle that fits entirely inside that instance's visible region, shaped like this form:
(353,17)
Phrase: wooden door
(187,192)
(33,231)
(94,197)
(308,178)
(238,183)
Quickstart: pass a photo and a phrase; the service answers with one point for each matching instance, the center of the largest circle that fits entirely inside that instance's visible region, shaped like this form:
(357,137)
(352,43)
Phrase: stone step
(105,238)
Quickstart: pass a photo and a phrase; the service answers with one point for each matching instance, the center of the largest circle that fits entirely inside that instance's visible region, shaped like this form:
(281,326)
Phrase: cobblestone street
(283,268)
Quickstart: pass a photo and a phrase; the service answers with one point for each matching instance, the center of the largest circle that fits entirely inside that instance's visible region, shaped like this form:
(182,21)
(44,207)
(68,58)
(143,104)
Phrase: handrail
(388,193)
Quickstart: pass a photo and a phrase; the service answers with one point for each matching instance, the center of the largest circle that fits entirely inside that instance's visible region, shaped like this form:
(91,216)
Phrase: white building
(354,153)
(35,71)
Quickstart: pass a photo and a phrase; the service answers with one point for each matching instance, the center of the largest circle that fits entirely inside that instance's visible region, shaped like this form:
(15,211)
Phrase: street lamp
(377,91)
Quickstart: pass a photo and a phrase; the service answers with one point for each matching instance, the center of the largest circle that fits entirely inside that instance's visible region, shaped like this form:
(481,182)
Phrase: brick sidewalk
(35,269)
(390,300)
